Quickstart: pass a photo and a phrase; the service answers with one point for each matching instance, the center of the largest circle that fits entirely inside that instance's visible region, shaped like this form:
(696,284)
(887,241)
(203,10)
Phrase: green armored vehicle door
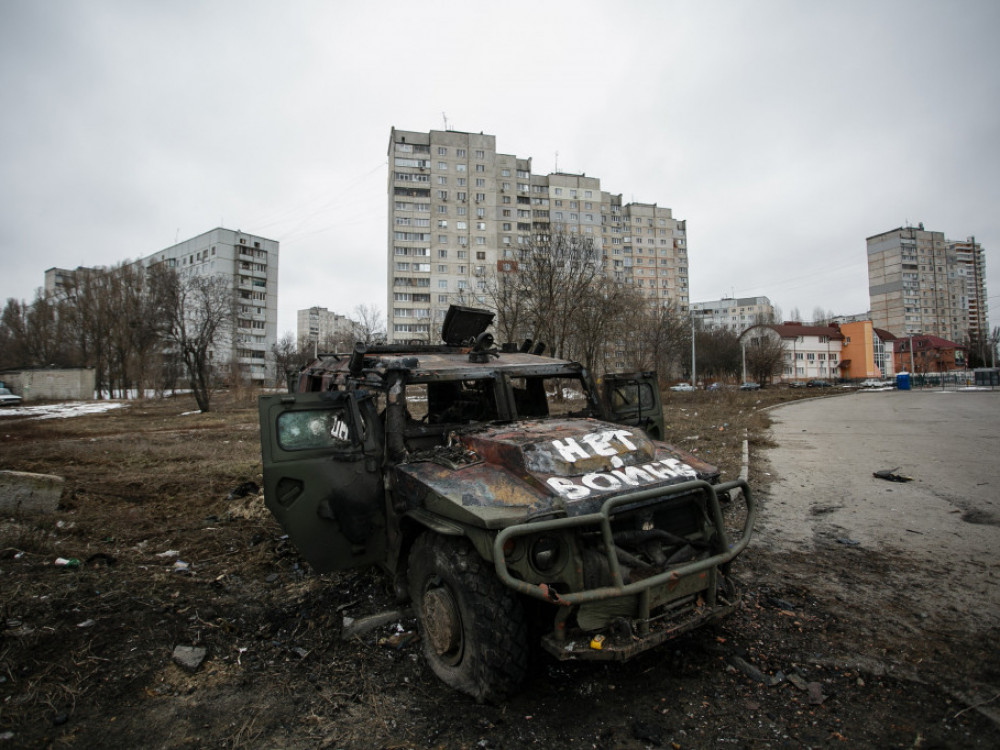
(322,457)
(634,399)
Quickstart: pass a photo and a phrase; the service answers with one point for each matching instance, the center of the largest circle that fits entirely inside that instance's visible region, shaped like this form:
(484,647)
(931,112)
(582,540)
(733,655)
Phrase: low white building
(810,351)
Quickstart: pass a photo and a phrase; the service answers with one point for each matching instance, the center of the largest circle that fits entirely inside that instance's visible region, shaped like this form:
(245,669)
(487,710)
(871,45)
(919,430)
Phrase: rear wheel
(472,626)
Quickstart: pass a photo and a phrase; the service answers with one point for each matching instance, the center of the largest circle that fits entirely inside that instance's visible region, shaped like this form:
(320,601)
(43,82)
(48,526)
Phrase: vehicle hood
(533,466)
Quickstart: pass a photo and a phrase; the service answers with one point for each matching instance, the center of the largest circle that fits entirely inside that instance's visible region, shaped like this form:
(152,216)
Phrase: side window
(461,401)
(550,396)
(633,394)
(311,430)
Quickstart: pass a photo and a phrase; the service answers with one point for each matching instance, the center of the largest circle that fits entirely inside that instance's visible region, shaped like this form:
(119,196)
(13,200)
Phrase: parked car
(817,384)
(796,384)
(9,399)
(714,387)
(750,387)
(683,387)
(876,383)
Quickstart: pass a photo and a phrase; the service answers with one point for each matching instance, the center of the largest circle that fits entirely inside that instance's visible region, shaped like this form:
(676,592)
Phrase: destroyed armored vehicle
(506,495)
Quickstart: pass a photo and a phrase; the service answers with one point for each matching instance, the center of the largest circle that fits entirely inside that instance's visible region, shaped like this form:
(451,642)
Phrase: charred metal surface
(618,536)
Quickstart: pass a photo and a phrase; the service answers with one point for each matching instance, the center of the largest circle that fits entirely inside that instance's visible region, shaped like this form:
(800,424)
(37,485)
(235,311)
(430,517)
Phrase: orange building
(866,351)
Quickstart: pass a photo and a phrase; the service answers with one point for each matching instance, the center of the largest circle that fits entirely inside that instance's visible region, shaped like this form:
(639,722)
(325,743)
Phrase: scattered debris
(242,490)
(816,696)
(398,640)
(26,492)
(645,732)
(189,657)
(798,681)
(354,627)
(86,624)
(891,475)
(67,562)
(755,674)
(848,542)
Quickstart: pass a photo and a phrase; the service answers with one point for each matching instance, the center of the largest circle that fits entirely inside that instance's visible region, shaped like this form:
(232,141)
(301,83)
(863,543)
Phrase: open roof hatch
(462,325)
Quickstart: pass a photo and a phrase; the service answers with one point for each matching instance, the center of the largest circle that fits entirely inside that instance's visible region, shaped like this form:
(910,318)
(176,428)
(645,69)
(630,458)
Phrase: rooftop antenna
(557,162)
(445,118)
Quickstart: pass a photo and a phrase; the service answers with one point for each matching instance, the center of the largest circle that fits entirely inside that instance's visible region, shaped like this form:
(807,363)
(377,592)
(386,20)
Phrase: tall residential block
(733,313)
(972,264)
(921,283)
(459,211)
(319,328)
(250,263)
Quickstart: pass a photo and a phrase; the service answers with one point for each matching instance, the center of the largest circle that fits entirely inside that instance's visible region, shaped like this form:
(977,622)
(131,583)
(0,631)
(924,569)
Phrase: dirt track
(85,656)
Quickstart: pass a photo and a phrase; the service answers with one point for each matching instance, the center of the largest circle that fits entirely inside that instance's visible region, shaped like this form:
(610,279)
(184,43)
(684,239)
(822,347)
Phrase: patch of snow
(62,411)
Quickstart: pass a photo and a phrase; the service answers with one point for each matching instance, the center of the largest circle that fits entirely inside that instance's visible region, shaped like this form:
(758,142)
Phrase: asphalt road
(945,523)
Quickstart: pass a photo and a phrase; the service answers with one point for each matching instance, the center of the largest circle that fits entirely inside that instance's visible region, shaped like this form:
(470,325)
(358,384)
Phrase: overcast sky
(785,133)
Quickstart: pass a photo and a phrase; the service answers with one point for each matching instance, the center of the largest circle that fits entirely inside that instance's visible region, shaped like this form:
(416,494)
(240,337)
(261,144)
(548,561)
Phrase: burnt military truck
(507,494)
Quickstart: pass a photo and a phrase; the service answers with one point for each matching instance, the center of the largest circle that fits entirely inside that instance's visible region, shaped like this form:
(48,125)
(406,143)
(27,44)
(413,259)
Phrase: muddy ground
(169,558)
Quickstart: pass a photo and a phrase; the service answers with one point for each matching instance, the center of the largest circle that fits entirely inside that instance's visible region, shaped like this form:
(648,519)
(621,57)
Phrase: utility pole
(694,374)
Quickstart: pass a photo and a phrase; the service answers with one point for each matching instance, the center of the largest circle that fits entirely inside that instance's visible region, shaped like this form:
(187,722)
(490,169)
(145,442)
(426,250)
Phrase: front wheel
(472,626)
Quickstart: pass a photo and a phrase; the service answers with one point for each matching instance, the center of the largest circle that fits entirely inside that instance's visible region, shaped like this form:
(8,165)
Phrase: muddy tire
(471,625)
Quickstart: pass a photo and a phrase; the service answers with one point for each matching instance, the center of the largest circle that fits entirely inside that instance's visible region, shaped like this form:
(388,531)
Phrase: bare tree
(821,317)
(508,297)
(287,357)
(368,324)
(765,355)
(662,341)
(14,335)
(197,314)
(544,294)
(718,353)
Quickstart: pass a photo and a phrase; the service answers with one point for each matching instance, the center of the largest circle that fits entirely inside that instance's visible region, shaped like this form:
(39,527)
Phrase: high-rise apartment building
(735,313)
(319,328)
(921,283)
(251,263)
(460,211)
(972,264)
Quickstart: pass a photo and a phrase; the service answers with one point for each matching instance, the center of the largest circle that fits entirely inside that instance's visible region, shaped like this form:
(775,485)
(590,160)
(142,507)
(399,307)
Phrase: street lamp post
(694,375)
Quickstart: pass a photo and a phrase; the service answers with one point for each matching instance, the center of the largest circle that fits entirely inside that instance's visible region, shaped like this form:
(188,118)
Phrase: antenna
(557,161)
(445,118)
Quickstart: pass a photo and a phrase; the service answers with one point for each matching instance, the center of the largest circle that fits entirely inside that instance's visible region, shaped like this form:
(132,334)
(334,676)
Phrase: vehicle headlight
(545,553)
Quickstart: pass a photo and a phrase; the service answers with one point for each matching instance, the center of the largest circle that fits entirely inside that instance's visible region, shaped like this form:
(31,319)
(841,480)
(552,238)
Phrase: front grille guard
(724,552)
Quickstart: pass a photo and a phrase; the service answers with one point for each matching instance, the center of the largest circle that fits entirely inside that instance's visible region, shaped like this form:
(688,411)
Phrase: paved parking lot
(947,520)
